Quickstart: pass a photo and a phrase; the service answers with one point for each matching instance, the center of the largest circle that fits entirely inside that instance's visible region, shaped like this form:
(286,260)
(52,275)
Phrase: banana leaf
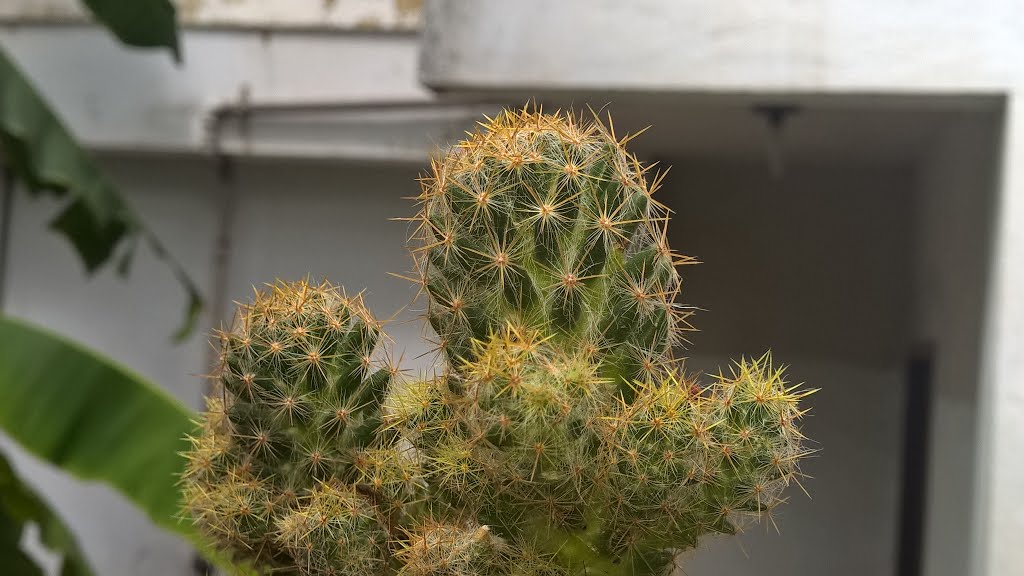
(93,418)
(97,421)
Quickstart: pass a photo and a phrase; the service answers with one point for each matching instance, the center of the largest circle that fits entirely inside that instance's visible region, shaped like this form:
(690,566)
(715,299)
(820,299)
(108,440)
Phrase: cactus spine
(545,222)
(559,436)
(301,401)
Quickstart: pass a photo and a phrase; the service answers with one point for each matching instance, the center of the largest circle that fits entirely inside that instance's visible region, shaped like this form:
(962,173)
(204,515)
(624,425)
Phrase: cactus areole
(558,434)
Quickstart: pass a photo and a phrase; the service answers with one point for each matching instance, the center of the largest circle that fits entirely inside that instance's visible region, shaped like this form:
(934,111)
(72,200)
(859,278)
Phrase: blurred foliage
(81,412)
(45,158)
(63,403)
(20,507)
(139,23)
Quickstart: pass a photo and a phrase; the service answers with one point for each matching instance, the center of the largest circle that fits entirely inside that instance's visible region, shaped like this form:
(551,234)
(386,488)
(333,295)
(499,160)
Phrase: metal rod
(222,249)
(58,21)
(244,108)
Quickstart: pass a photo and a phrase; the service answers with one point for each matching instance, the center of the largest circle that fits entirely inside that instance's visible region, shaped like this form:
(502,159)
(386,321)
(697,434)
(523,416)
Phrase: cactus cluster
(558,435)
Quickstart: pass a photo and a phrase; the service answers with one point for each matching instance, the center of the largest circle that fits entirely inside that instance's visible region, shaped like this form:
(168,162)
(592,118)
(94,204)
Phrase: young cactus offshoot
(558,437)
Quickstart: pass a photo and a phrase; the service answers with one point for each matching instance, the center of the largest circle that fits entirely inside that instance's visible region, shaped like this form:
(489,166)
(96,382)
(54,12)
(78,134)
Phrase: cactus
(559,435)
(302,395)
(545,222)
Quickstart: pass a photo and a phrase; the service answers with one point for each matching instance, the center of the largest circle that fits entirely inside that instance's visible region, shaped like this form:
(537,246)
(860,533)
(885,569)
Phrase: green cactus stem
(301,399)
(558,437)
(532,442)
(547,223)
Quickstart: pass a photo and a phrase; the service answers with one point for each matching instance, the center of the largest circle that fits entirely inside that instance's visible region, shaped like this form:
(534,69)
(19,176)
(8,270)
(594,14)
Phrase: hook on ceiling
(775,116)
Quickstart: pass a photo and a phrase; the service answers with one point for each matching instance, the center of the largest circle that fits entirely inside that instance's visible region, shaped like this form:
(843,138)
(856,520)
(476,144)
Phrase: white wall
(999,512)
(831,46)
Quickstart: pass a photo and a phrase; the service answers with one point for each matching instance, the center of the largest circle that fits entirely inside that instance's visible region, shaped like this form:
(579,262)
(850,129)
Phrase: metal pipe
(363,131)
(242,108)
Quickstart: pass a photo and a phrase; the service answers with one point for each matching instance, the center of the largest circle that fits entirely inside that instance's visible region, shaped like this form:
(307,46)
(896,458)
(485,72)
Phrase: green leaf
(20,506)
(140,23)
(43,155)
(94,242)
(96,420)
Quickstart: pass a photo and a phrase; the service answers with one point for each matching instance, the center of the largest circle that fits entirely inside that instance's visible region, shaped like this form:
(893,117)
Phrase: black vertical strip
(6,209)
(916,435)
